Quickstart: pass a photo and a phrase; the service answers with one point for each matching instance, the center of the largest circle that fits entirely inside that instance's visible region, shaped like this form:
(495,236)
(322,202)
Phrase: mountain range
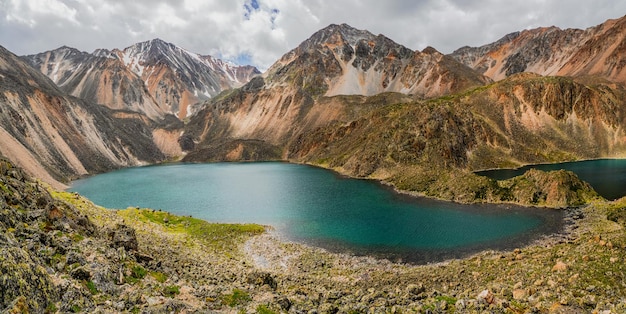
(344,99)
(153,77)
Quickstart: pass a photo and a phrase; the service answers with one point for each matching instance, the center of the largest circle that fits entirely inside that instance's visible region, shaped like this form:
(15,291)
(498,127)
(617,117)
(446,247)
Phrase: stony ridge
(97,79)
(596,51)
(342,60)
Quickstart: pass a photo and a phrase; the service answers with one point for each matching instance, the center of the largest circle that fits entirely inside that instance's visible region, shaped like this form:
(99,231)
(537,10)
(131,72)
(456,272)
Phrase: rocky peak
(595,51)
(430,50)
(335,34)
(342,60)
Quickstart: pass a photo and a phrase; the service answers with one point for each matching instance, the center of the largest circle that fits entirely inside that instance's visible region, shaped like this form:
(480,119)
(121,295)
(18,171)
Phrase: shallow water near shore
(320,208)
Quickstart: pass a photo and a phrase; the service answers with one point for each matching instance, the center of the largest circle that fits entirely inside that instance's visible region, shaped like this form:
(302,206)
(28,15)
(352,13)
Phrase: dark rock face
(262,278)
(237,150)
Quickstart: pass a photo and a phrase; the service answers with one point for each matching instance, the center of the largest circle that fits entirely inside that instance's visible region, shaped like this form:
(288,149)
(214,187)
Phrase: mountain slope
(431,146)
(160,77)
(302,91)
(96,79)
(597,51)
(56,137)
(178,78)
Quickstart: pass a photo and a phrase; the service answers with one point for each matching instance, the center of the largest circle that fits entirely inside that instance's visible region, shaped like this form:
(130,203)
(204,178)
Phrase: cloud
(260,31)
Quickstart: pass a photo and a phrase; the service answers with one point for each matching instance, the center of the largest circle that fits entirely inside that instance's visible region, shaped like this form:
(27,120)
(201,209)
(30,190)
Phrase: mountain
(97,79)
(595,52)
(432,146)
(160,76)
(341,60)
(319,83)
(56,137)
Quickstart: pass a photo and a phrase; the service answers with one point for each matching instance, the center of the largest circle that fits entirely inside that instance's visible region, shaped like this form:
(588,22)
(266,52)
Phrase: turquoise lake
(606,176)
(318,207)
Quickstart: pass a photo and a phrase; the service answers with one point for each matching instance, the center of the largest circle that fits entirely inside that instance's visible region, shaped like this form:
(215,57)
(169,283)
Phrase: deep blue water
(606,176)
(318,207)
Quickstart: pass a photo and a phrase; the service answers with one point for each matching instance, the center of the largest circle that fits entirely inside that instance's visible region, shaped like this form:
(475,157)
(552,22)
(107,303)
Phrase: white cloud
(30,12)
(269,28)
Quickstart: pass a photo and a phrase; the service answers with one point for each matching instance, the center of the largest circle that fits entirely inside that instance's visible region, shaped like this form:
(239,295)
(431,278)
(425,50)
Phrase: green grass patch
(218,236)
(171,291)
(51,308)
(92,287)
(616,211)
(159,276)
(137,273)
(447,299)
(237,297)
(76,237)
(264,309)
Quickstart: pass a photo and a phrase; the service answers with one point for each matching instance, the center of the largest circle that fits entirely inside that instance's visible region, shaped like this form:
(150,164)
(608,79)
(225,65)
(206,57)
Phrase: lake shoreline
(66,254)
(325,209)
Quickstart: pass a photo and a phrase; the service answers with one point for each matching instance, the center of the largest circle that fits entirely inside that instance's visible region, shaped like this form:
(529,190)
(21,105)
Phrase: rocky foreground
(61,253)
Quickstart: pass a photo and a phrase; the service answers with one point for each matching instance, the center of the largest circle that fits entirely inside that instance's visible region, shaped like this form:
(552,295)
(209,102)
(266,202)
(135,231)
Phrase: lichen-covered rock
(123,236)
(22,277)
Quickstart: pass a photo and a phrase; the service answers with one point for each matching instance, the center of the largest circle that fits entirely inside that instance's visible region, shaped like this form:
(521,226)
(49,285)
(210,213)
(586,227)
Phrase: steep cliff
(98,80)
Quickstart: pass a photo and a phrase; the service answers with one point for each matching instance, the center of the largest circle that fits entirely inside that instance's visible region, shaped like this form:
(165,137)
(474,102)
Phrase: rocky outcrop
(56,137)
(594,52)
(552,189)
(29,217)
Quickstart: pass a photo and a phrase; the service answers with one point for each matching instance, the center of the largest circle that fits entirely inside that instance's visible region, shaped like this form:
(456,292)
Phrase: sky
(259,32)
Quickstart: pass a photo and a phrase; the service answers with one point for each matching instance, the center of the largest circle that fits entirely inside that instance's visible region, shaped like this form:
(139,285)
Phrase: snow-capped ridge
(173,77)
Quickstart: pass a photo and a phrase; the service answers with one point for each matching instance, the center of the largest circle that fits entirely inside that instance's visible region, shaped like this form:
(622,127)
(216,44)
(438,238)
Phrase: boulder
(123,236)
